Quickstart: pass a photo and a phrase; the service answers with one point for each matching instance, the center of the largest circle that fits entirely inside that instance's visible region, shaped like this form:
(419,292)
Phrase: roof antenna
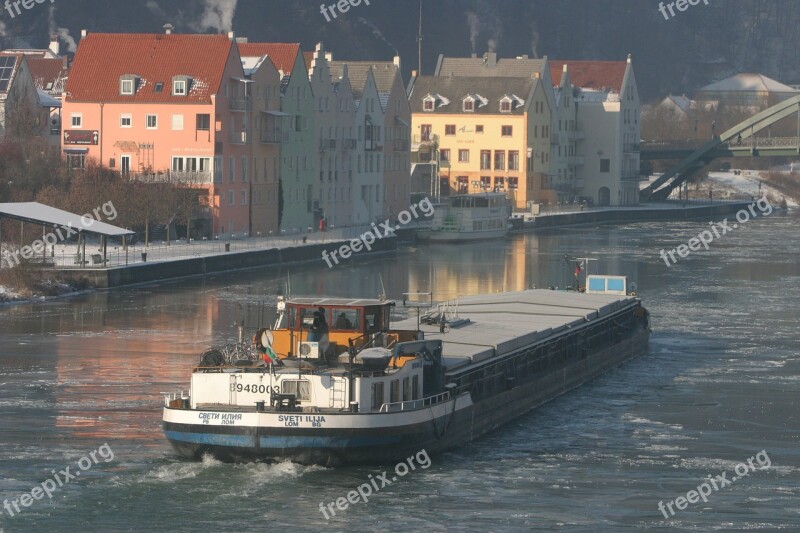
(382,296)
(419,39)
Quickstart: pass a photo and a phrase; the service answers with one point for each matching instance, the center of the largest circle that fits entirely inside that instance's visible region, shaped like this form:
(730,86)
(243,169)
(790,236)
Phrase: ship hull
(367,438)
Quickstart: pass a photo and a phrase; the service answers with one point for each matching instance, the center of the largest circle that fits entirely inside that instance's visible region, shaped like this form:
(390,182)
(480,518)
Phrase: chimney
(396,61)
(491,59)
(168,28)
(232,35)
(54,47)
(328,56)
(474,55)
(564,68)
(630,58)
(84,33)
(413,73)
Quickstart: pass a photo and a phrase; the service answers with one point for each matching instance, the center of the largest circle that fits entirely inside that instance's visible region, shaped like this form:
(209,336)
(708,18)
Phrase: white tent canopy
(37,213)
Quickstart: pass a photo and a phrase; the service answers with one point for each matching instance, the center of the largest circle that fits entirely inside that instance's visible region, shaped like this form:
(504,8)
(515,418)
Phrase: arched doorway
(604,197)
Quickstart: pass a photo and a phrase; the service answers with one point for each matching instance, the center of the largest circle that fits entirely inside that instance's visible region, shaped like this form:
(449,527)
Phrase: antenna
(419,39)
(382,296)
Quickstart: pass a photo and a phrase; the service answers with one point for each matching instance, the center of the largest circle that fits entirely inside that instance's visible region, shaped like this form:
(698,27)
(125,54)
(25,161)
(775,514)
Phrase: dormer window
(179,88)
(158,87)
(127,84)
(505,105)
(468,104)
(428,103)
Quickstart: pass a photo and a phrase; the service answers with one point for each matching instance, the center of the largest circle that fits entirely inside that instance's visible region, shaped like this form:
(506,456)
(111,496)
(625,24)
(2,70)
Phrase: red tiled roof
(103,57)
(308,57)
(590,74)
(282,55)
(47,71)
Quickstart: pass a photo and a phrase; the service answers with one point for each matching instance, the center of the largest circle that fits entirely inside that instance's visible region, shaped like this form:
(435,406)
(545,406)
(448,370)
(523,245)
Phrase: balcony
(240,137)
(575,135)
(175,176)
(371,145)
(273,136)
(630,148)
(348,144)
(327,144)
(575,160)
(240,104)
(401,145)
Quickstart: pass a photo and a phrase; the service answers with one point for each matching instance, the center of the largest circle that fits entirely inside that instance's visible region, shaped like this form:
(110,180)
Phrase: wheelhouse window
(394,391)
(347,319)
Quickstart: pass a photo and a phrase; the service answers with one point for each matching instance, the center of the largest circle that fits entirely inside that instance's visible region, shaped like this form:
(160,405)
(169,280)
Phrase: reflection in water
(720,383)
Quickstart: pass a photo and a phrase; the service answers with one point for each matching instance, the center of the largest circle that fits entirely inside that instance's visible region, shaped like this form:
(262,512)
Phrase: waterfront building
(165,107)
(491,133)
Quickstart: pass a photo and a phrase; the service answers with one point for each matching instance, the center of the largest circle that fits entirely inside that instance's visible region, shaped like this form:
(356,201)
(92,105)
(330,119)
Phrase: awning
(401,121)
(75,150)
(37,213)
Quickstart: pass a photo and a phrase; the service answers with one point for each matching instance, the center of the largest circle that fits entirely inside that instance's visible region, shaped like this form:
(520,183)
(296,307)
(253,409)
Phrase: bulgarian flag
(269,355)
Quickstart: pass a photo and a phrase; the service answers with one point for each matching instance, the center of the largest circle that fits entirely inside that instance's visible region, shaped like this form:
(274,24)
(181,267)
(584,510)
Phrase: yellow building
(492,134)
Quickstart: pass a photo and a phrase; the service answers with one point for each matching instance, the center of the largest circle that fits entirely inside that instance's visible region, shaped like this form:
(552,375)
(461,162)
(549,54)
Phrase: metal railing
(173,176)
(411,405)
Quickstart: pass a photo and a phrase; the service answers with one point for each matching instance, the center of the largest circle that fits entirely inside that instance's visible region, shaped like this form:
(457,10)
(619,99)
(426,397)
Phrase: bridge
(739,141)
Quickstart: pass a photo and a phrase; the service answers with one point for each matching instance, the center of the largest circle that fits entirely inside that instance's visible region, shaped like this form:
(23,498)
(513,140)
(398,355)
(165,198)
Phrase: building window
(152,122)
(479,128)
(605,165)
(499,160)
(469,105)
(513,160)
(377,395)
(463,156)
(444,154)
(126,87)
(486,182)
(499,183)
(450,129)
(425,132)
(244,197)
(506,131)
(231,198)
(177,122)
(244,169)
(231,169)
(76,120)
(505,105)
(125,121)
(486,160)
(179,88)
(203,122)
(513,182)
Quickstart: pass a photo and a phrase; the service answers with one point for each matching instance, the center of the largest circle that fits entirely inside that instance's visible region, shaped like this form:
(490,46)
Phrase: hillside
(692,48)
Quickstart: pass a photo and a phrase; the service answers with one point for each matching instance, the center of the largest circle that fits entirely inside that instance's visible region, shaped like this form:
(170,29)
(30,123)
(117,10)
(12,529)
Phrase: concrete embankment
(641,214)
(107,278)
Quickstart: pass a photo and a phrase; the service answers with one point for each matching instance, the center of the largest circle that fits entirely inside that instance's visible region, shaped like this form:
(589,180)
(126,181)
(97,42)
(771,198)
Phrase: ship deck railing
(411,405)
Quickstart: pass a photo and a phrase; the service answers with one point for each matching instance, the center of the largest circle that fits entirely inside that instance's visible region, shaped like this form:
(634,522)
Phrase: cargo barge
(334,382)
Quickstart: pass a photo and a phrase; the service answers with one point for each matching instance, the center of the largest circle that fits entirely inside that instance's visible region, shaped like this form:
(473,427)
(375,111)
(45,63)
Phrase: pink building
(168,107)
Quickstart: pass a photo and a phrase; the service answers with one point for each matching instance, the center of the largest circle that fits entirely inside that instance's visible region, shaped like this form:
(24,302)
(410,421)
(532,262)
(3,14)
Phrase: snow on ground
(9,295)
(748,182)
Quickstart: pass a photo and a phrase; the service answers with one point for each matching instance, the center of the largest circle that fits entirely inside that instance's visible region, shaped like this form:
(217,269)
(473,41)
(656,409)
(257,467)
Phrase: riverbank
(662,212)
(216,263)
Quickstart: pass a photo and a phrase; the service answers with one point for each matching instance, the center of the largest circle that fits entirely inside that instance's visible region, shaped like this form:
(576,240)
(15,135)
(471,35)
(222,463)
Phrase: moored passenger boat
(334,382)
(469,217)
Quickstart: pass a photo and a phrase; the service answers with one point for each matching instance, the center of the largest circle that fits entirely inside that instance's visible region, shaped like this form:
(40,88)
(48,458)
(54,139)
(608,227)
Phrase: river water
(721,384)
